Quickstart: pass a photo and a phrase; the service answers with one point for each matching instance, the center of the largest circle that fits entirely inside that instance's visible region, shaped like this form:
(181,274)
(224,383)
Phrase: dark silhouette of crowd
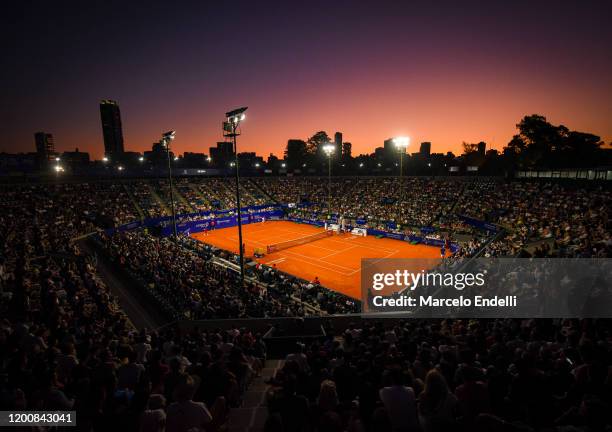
(465,375)
(66,343)
(187,280)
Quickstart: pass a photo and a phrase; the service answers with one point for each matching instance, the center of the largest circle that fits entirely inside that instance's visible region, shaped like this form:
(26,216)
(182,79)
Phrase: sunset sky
(444,72)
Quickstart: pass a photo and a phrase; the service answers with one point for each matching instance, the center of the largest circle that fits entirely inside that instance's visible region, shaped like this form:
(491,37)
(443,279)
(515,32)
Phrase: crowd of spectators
(196,199)
(66,344)
(539,219)
(411,202)
(443,375)
(184,278)
(162,189)
(574,219)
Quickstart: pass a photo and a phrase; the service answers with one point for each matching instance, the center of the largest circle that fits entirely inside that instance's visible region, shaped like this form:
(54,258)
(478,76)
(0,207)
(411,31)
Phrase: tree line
(538,144)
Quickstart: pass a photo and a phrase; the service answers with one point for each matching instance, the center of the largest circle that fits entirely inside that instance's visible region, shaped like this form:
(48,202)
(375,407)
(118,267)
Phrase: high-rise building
(338,142)
(111,127)
(221,154)
(482,147)
(45,146)
(391,151)
(425,149)
(75,157)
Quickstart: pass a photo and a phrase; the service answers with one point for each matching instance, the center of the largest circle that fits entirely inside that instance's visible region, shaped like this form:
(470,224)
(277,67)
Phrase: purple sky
(445,73)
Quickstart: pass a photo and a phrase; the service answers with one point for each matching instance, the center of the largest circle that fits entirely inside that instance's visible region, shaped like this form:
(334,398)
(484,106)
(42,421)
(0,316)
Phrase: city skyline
(444,74)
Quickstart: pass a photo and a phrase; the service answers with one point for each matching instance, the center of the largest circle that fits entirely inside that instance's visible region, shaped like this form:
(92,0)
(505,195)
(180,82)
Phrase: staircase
(199,193)
(252,415)
(264,192)
(180,198)
(141,214)
(158,199)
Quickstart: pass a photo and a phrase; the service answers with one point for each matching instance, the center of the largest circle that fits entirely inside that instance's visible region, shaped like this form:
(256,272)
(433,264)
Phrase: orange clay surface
(335,260)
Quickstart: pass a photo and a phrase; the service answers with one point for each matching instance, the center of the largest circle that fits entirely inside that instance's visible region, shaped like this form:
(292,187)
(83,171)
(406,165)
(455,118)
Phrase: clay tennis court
(335,260)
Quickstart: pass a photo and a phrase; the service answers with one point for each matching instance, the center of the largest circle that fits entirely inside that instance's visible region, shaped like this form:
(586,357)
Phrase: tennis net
(296,242)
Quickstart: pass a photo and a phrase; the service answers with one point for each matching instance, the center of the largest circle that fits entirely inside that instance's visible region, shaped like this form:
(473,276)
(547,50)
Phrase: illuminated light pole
(230,130)
(166,139)
(402,144)
(329,149)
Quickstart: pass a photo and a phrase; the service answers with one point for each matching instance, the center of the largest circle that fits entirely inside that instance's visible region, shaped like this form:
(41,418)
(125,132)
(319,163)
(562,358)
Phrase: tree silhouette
(542,144)
(315,143)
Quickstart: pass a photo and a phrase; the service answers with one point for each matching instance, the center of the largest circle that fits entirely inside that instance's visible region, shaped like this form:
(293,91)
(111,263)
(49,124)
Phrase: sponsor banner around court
(206,216)
(195,226)
(487,288)
(314,222)
(429,241)
(479,224)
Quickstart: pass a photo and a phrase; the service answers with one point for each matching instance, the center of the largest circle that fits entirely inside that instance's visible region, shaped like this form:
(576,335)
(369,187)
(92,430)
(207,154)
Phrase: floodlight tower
(231,130)
(402,144)
(167,137)
(329,149)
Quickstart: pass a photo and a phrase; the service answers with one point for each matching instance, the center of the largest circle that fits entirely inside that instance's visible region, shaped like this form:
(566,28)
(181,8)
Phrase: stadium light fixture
(59,168)
(237,115)
(402,143)
(329,150)
(167,138)
(230,129)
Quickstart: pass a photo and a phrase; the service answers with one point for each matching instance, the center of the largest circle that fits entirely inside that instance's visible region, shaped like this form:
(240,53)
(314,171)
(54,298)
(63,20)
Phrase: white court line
(315,259)
(374,262)
(234,238)
(314,263)
(336,252)
(318,247)
(381,249)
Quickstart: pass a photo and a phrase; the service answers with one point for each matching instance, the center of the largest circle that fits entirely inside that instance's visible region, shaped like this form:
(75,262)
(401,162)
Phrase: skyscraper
(338,142)
(222,154)
(111,127)
(425,149)
(45,146)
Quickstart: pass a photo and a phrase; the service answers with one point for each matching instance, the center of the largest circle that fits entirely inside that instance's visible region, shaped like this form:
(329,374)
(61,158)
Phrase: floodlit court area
(335,260)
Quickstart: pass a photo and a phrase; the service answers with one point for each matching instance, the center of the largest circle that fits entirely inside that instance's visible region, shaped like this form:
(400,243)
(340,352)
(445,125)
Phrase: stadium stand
(66,343)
